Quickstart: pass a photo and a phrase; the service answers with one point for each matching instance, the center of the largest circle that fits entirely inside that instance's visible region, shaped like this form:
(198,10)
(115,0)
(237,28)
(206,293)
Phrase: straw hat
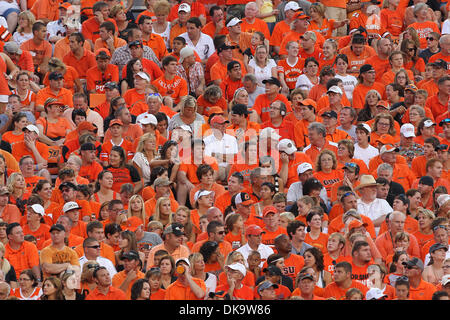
(366,180)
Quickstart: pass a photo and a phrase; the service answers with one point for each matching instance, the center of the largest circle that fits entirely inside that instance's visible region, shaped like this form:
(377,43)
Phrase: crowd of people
(224,150)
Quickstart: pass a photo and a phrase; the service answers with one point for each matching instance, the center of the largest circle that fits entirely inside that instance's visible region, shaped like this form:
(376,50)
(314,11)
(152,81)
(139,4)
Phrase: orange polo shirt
(176,88)
(113,294)
(156,42)
(120,277)
(82,65)
(44,49)
(64,96)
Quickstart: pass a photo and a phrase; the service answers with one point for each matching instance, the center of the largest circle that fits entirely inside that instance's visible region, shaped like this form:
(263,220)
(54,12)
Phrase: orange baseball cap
(308,102)
(215,109)
(116,121)
(300,14)
(356,224)
(383,103)
(254,230)
(65,5)
(386,139)
(86,125)
(269,209)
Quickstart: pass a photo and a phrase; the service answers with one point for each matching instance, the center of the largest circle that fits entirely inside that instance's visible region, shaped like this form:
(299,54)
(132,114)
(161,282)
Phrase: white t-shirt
(374,210)
(263,249)
(141,161)
(165,35)
(446,27)
(22,37)
(227,145)
(365,154)
(205,45)
(350,83)
(295,192)
(103,262)
(55,28)
(262,73)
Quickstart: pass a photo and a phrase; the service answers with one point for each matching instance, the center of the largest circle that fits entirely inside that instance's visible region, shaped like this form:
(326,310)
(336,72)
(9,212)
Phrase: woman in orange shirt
(315,236)
(411,59)
(425,233)
(153,275)
(14,133)
(328,55)
(26,90)
(314,259)
(103,188)
(320,24)
(383,124)
(235,228)
(326,170)
(44,190)
(54,128)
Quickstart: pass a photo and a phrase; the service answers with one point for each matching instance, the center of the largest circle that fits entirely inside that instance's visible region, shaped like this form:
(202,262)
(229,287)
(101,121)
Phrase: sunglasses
(92,266)
(403,278)
(350,164)
(221,232)
(440,227)
(155,269)
(94,247)
(430,38)
(345,195)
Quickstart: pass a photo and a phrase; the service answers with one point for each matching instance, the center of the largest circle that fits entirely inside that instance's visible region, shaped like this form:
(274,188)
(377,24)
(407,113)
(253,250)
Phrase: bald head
(214,214)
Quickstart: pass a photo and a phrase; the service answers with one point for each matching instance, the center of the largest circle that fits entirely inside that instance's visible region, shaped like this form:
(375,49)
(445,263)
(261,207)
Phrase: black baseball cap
(272,80)
(330,114)
(437,246)
(130,255)
(440,64)
(365,68)
(58,227)
(427,180)
(273,271)
(68,184)
(232,64)
(135,43)
(224,46)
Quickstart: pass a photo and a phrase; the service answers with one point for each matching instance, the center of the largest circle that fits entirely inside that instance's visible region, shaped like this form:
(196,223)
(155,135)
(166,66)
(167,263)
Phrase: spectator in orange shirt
(419,288)
(438,104)
(125,279)
(217,24)
(185,287)
(184,13)
(343,281)
(277,121)
(317,136)
(107,38)
(90,27)
(150,39)
(104,289)
(30,146)
(102,73)
(366,82)
(170,84)
(78,57)
(40,47)
(251,24)
(19,57)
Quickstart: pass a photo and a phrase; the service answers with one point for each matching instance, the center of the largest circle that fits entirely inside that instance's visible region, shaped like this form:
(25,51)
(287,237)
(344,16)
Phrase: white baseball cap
(442,199)
(335,89)
(366,127)
(143,75)
(184,7)
(445,280)
(185,260)
(186,52)
(428,123)
(408,130)
(148,119)
(72,205)
(201,193)
(38,209)
(185,127)
(269,132)
(388,148)
(287,145)
(233,22)
(303,167)
(238,267)
(31,127)
(291,5)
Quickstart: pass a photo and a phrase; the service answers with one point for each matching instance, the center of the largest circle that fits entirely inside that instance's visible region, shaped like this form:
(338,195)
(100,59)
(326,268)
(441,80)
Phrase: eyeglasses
(24,279)
(92,266)
(430,38)
(94,247)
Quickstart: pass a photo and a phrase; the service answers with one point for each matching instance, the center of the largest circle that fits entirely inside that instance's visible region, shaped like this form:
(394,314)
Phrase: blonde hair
(288,215)
(161,7)
(141,215)
(193,258)
(55,64)
(115,10)
(12,180)
(143,139)
(157,215)
(29,16)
